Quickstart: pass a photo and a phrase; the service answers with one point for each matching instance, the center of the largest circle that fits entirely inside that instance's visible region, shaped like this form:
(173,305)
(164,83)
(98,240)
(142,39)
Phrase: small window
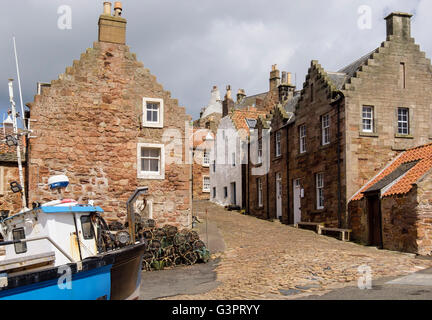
(214,165)
(206,158)
(403,121)
(278,144)
(233,159)
(302,134)
(368,119)
(87,228)
(260,151)
(150,160)
(260,192)
(312,97)
(153,112)
(19,234)
(206,184)
(320,190)
(403,75)
(225,192)
(214,192)
(325,127)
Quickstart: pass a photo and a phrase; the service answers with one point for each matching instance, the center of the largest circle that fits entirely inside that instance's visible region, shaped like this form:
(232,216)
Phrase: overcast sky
(191,45)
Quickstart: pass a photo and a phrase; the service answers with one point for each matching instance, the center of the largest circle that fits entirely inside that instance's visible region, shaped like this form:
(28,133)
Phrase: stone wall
(88,125)
(424,214)
(379,84)
(318,158)
(8,200)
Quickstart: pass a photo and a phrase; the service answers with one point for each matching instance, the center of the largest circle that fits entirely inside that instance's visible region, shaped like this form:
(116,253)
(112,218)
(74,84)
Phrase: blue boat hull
(114,275)
(94,284)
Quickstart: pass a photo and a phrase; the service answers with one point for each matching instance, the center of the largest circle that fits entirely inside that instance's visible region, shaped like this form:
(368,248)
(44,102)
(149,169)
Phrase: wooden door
(374,218)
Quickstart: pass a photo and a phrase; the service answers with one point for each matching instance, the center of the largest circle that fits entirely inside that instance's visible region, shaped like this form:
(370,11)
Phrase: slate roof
(250,101)
(401,174)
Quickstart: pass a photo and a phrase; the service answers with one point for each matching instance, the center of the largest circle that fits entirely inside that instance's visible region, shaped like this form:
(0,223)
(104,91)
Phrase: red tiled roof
(239,117)
(421,154)
(199,138)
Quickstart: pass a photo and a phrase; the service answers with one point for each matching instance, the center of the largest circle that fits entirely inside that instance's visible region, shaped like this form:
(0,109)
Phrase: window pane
(87,227)
(19,234)
(154,165)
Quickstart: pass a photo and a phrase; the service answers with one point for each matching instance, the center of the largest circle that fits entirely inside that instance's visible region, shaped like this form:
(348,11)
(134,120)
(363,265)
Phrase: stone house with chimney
(341,128)
(110,127)
(351,122)
(394,209)
(228,174)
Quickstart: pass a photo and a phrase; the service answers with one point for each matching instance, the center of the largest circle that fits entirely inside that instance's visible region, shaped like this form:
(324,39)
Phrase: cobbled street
(268,260)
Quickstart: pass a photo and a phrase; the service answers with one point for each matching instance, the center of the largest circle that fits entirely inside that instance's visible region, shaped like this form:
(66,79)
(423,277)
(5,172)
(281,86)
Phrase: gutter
(339,98)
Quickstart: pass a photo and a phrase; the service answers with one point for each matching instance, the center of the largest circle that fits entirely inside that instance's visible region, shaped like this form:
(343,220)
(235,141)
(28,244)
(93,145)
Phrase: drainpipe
(338,101)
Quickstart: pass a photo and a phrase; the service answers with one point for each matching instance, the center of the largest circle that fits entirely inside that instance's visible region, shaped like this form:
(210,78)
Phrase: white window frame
(207,190)
(407,121)
(368,119)
(151,175)
(319,182)
(206,158)
(260,151)
(325,127)
(278,144)
(302,138)
(160,122)
(260,192)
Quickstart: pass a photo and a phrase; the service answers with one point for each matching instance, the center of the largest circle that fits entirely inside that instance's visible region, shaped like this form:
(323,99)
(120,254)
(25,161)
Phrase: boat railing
(6,243)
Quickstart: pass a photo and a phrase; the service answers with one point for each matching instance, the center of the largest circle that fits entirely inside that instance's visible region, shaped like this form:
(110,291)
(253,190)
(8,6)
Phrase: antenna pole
(19,85)
(15,127)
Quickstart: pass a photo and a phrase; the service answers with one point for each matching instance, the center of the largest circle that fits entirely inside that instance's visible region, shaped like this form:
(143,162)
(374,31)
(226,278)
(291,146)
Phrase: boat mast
(19,85)
(18,148)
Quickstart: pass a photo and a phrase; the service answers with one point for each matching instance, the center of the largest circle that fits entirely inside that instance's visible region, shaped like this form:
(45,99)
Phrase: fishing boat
(64,250)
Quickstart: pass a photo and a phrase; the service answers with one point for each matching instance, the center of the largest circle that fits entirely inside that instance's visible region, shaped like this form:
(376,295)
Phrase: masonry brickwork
(88,125)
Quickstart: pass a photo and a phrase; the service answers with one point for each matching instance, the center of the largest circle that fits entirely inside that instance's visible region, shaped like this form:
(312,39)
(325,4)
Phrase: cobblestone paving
(268,260)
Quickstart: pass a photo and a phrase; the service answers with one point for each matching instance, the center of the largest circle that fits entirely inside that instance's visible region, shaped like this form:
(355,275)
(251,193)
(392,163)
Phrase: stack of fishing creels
(168,247)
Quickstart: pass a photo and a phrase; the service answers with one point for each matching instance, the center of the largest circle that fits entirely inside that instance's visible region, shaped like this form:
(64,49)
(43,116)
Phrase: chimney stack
(399,25)
(241,94)
(228,103)
(274,78)
(286,89)
(112,29)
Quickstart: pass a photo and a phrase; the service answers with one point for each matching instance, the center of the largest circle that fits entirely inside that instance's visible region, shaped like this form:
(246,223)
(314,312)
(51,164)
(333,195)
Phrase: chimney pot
(289,78)
(118,8)
(399,25)
(107,8)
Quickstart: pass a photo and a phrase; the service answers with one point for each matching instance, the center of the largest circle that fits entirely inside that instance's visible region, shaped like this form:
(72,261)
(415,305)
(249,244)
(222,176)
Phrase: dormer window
(153,110)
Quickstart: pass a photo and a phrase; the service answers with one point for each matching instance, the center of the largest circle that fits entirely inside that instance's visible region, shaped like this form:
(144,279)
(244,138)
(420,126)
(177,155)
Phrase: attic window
(153,111)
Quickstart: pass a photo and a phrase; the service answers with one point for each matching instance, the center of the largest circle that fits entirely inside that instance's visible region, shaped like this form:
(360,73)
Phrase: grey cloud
(191,45)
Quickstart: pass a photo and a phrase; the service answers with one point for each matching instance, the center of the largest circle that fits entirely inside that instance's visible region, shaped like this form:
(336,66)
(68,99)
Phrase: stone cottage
(110,127)
(203,141)
(394,210)
(229,157)
(351,122)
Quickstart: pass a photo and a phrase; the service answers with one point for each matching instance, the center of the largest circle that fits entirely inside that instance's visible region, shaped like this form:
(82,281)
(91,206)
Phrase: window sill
(206,165)
(151,176)
(403,136)
(157,125)
(206,191)
(277,158)
(302,154)
(369,134)
(325,146)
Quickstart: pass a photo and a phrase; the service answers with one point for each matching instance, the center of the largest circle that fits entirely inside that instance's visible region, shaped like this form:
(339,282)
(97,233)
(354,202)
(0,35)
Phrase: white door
(297,201)
(278,195)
